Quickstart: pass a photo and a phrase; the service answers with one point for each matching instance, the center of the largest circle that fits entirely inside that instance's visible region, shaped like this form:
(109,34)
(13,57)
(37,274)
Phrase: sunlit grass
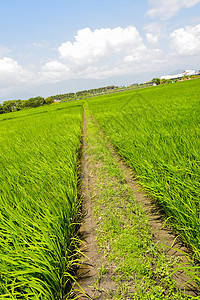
(38,194)
(138,267)
(157,131)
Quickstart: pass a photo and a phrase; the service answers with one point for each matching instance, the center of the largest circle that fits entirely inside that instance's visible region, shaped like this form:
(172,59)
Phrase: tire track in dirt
(92,259)
(170,242)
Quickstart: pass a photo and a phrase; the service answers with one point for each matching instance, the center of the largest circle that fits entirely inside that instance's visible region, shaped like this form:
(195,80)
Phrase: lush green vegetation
(138,267)
(15,105)
(157,131)
(39,204)
(84,94)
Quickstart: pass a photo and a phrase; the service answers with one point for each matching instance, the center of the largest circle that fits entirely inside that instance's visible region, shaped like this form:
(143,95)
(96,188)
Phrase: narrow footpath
(127,251)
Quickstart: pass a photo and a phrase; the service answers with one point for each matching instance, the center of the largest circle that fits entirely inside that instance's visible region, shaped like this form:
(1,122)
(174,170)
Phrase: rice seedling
(39,204)
(156,130)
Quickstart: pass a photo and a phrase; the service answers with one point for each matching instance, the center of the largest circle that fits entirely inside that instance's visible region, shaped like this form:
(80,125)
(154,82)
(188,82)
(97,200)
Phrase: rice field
(39,204)
(157,132)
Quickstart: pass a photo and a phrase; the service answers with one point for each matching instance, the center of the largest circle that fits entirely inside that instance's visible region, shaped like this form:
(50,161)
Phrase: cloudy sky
(55,46)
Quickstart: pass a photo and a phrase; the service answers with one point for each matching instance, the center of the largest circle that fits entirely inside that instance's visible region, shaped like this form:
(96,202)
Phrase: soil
(92,259)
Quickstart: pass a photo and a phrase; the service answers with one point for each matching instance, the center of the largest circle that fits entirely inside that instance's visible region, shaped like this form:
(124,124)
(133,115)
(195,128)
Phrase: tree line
(83,94)
(15,105)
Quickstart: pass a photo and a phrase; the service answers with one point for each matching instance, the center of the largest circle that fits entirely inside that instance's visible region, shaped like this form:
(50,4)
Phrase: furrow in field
(122,258)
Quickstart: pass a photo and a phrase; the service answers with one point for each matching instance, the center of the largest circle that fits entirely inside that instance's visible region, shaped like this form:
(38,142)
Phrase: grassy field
(157,132)
(38,194)
(133,265)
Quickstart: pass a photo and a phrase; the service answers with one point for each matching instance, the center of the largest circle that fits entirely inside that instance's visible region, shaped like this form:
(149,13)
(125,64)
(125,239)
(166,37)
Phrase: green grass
(139,268)
(38,195)
(157,132)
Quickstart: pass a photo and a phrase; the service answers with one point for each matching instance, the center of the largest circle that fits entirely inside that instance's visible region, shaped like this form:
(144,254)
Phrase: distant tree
(71,95)
(35,102)
(8,106)
(49,100)
(1,109)
(19,105)
(168,81)
(23,104)
(156,80)
(162,81)
(15,105)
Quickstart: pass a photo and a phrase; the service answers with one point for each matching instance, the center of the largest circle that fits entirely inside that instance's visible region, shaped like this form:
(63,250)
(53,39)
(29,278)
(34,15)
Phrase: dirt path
(99,275)
(88,271)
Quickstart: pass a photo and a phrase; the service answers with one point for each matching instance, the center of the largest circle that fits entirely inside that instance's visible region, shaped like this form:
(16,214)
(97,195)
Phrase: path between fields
(98,274)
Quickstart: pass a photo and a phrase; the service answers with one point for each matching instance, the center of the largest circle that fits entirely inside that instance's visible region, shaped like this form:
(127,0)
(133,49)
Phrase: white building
(180,75)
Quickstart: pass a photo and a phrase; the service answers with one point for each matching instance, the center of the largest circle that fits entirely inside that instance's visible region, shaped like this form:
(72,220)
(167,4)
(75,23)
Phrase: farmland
(156,132)
(39,204)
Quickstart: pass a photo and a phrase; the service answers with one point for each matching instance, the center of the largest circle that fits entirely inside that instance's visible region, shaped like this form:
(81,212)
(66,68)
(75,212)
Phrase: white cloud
(54,71)
(12,73)
(100,53)
(38,45)
(152,38)
(186,41)
(155,32)
(166,9)
(154,27)
(90,46)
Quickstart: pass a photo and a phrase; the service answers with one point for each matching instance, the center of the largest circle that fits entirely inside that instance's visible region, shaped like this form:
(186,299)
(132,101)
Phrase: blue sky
(49,47)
